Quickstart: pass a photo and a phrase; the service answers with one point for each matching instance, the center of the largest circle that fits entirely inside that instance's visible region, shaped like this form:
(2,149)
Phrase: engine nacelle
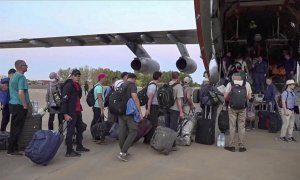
(186,64)
(145,65)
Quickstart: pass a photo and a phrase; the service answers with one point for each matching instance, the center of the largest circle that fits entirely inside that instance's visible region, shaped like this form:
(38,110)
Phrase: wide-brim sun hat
(291,81)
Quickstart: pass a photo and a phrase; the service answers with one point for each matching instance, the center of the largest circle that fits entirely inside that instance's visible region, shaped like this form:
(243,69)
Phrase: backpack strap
(94,89)
(244,83)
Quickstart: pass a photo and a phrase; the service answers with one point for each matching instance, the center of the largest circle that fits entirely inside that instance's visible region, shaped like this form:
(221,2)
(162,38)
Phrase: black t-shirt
(130,88)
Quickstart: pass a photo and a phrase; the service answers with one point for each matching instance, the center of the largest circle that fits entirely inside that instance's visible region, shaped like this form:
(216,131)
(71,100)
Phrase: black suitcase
(223,120)
(275,122)
(205,129)
(32,124)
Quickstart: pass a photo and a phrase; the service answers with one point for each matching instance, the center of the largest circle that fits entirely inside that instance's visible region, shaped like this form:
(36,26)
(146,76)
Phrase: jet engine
(144,65)
(186,64)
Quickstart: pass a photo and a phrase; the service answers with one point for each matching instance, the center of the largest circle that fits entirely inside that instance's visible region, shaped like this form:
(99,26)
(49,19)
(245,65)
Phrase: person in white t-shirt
(119,82)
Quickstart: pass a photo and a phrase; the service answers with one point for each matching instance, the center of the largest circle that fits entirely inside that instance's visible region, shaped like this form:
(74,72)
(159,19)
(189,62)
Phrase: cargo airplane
(222,25)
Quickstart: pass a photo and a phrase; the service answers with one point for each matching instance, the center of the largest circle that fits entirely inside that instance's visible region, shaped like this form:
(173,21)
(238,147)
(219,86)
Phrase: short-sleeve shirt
(152,89)
(248,87)
(130,88)
(177,93)
(16,83)
(290,98)
(98,89)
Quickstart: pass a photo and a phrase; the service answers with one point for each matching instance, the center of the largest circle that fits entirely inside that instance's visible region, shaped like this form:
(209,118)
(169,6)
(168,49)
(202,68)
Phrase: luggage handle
(205,112)
(61,128)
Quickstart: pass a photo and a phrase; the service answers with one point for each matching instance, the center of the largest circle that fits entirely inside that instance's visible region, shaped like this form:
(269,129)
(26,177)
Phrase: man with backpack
(127,125)
(288,98)
(98,107)
(118,83)
(71,109)
(237,93)
(152,108)
(53,107)
(175,112)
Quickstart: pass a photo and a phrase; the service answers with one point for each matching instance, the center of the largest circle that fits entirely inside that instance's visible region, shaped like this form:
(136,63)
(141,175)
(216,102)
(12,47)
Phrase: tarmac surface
(266,158)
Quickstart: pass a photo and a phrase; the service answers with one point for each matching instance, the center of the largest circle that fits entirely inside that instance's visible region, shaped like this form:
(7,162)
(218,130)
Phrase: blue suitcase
(44,145)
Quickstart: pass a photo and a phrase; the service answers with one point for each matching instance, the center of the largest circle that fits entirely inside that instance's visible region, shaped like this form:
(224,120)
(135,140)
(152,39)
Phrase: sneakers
(123,157)
(82,149)
(242,149)
(291,139)
(232,149)
(14,153)
(283,139)
(72,154)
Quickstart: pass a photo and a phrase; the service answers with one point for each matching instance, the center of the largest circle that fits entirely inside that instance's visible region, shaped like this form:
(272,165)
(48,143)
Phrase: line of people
(68,107)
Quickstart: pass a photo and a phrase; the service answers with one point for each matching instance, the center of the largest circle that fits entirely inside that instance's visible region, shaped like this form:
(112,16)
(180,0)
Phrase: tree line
(89,74)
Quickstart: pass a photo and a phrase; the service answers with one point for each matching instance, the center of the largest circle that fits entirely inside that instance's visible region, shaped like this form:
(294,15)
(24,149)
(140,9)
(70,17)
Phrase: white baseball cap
(187,79)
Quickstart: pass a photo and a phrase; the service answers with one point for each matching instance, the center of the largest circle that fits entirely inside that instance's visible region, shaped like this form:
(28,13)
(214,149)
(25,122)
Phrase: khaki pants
(287,124)
(237,116)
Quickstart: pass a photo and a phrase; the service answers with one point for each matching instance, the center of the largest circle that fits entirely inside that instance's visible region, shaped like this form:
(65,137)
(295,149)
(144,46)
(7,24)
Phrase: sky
(33,19)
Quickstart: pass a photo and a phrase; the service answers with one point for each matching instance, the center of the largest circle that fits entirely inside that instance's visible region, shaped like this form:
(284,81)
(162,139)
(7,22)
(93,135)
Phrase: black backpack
(238,96)
(165,96)
(106,97)
(56,94)
(90,99)
(142,94)
(118,100)
(204,95)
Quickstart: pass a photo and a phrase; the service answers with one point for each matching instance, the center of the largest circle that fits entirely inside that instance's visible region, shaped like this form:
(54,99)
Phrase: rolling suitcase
(143,128)
(263,117)
(44,145)
(205,130)
(32,124)
(275,121)
(114,131)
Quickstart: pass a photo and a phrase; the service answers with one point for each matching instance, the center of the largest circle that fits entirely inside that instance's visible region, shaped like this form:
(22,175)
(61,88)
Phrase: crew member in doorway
(260,72)
(290,66)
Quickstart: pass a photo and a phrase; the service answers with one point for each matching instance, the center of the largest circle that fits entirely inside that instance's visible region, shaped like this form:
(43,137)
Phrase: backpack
(238,96)
(118,100)
(165,96)
(142,94)
(279,100)
(56,94)
(90,99)
(205,98)
(107,94)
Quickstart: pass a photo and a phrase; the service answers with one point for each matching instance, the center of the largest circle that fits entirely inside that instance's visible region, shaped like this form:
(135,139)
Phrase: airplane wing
(152,37)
